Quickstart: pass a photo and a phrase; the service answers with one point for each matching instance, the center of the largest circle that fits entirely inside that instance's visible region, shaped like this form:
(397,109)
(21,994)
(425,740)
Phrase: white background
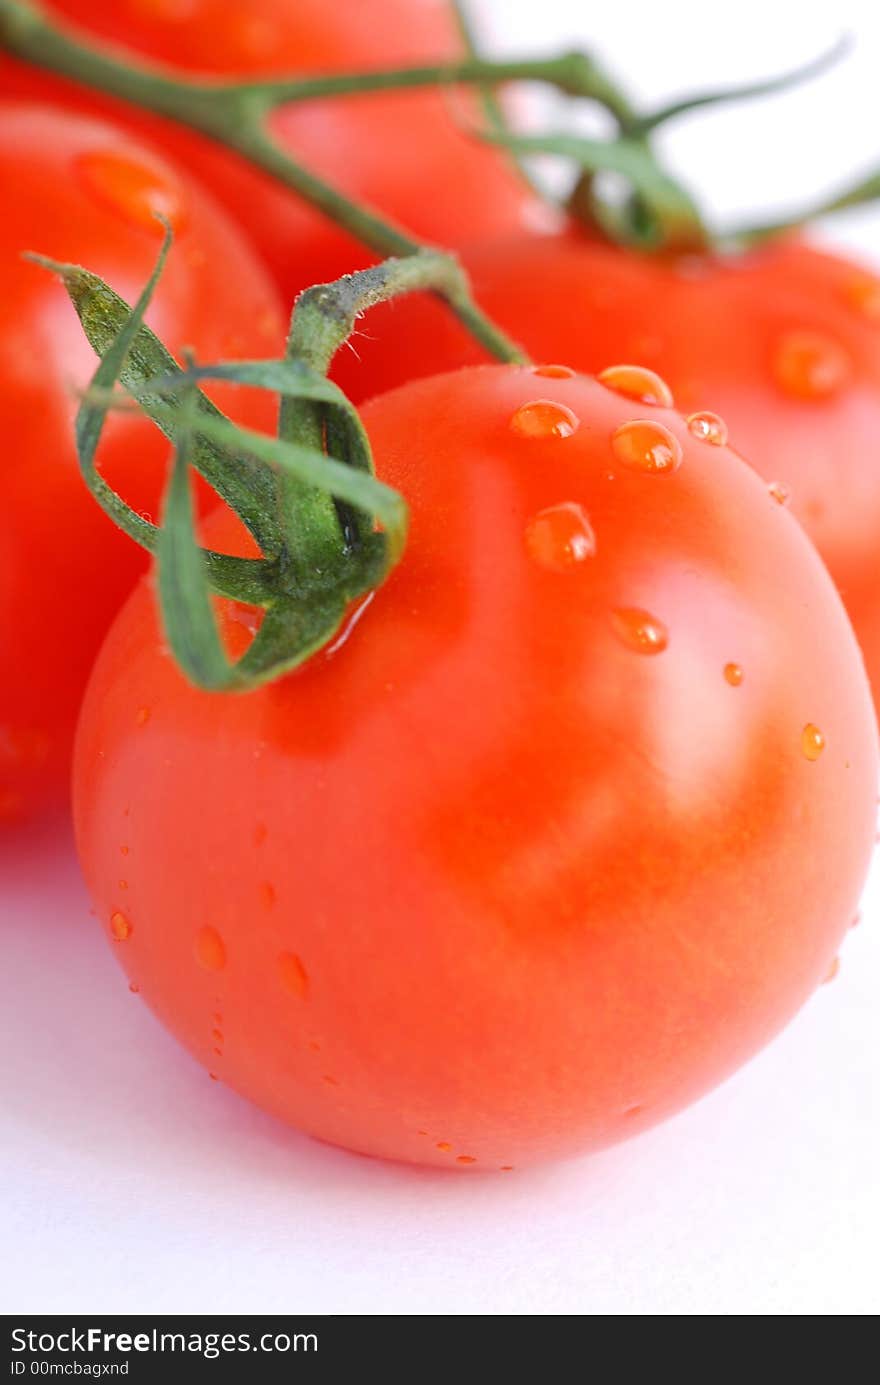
(130,1182)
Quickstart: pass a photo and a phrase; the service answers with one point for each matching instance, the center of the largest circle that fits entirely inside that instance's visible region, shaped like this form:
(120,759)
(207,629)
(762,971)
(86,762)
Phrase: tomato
(86,191)
(783,343)
(408,154)
(562,830)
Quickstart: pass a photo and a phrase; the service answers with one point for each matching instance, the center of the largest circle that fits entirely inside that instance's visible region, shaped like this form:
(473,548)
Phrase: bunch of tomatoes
(576,811)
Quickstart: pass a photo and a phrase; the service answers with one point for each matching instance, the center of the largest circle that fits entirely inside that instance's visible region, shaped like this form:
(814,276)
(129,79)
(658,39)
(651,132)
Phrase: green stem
(235,114)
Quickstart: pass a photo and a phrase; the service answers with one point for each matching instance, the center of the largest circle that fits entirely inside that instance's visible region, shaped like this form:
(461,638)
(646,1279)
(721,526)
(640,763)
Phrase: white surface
(131,1183)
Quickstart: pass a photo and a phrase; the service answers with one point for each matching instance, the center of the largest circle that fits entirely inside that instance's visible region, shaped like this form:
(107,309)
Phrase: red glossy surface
(521,867)
(84,191)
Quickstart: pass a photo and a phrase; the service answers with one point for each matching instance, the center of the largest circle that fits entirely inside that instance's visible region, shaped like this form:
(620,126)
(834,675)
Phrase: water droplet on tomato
(708,427)
(647,446)
(465,1159)
(779,492)
(507,1168)
(213,1076)
(268,895)
(293,975)
(812,741)
(809,365)
(553,372)
(560,537)
(218,1035)
(831,972)
(637,382)
(542,418)
(124,850)
(733,674)
(120,926)
(331,1081)
(142,716)
(132,189)
(639,630)
(210,949)
(135,990)
(261,832)
(444,1146)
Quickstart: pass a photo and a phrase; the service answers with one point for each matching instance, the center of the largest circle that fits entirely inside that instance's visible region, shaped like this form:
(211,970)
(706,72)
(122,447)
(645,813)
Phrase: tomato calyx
(327,529)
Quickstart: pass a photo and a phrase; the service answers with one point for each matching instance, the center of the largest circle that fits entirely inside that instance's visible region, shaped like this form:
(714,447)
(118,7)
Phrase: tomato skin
(717,330)
(486,884)
(84,192)
(408,154)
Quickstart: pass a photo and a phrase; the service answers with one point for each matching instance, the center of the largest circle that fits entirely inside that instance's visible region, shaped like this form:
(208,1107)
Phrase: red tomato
(783,343)
(564,830)
(85,191)
(408,154)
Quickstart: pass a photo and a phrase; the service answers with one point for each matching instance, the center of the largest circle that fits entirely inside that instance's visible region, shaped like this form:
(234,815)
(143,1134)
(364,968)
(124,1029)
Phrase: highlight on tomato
(413,155)
(88,191)
(558,830)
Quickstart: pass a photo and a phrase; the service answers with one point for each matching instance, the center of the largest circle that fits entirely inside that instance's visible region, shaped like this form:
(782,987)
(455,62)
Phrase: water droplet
(123,884)
(733,674)
(863,294)
(210,949)
(331,1081)
(507,1168)
(444,1146)
(120,926)
(261,832)
(293,975)
(560,537)
(132,189)
(142,716)
(465,1159)
(809,365)
(135,990)
(268,895)
(213,1076)
(542,418)
(647,446)
(553,372)
(124,850)
(831,972)
(812,741)
(708,427)
(637,382)
(314,1046)
(218,1035)
(639,630)
(779,492)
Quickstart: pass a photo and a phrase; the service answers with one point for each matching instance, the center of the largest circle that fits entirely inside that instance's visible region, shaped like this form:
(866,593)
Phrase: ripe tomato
(783,343)
(86,191)
(564,830)
(408,154)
